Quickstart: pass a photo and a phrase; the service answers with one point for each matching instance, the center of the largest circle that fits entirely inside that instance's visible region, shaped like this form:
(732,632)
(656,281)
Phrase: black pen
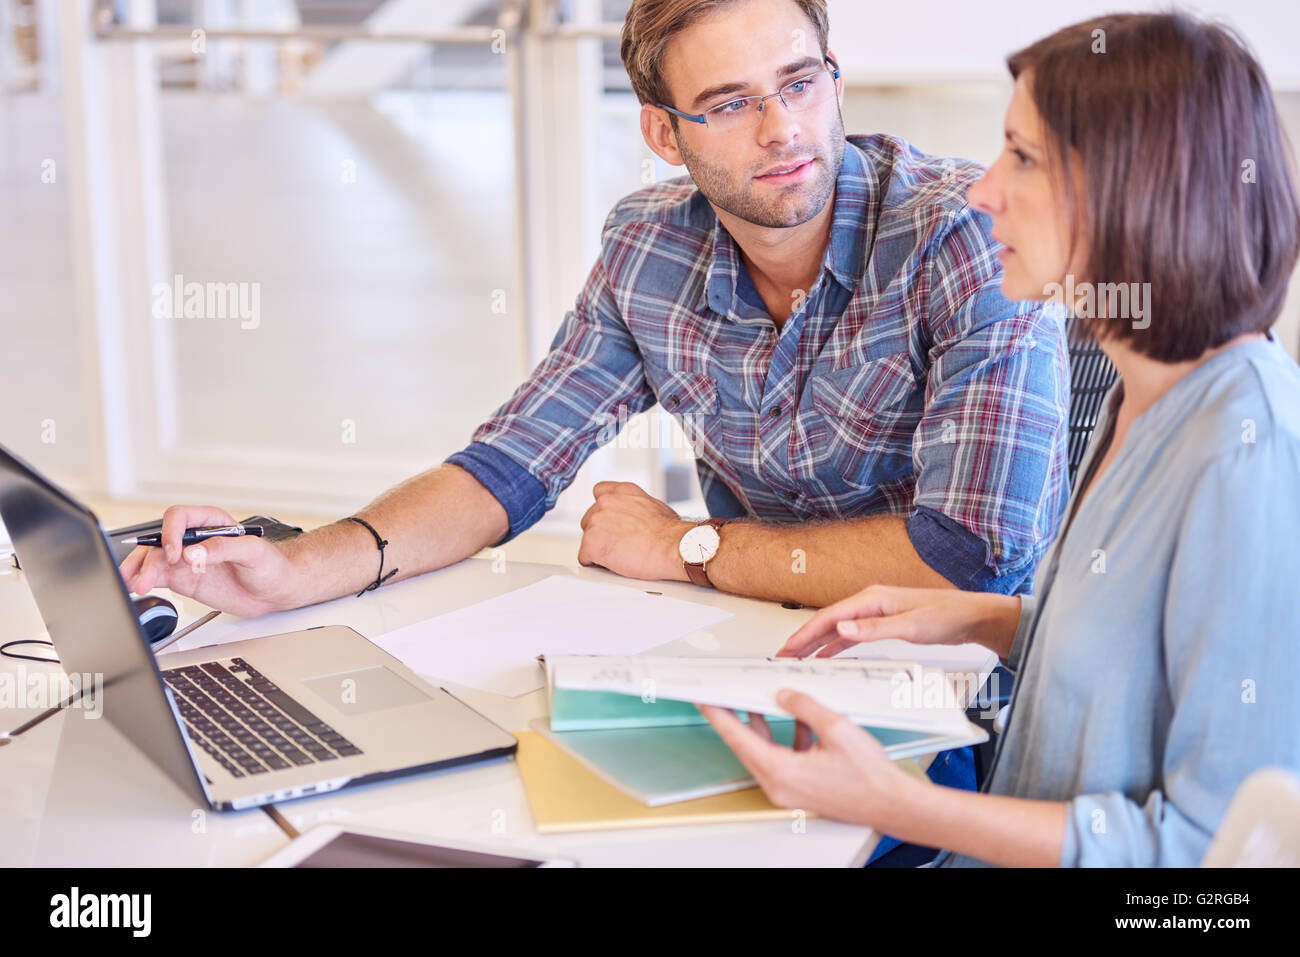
(193,536)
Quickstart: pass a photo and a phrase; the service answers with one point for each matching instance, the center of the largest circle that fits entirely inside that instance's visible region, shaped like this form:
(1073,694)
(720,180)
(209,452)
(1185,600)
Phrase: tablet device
(328,845)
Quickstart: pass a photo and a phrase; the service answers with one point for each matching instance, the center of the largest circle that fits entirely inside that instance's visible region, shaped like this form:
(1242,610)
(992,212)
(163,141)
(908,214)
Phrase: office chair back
(1091,376)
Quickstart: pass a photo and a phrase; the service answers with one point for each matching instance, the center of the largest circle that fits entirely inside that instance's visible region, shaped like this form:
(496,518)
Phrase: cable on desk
(7,736)
(274,814)
(156,647)
(28,641)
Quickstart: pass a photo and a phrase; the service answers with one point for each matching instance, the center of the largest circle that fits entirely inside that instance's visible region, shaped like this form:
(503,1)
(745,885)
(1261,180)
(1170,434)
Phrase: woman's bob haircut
(1187,184)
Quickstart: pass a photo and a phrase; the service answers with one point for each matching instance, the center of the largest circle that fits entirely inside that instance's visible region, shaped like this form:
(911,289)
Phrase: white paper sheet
(877,693)
(961,658)
(493,645)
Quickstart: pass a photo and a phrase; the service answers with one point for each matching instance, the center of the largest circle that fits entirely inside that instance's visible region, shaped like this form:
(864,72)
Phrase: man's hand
(245,576)
(845,774)
(633,534)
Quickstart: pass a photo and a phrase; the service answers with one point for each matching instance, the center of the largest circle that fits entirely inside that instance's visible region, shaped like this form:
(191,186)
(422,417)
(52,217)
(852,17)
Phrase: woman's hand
(928,616)
(845,774)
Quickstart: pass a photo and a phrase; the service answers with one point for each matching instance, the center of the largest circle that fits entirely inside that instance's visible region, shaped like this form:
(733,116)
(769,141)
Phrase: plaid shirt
(905,384)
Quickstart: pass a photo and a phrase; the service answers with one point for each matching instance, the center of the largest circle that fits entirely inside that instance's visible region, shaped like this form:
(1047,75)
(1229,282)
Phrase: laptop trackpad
(366,689)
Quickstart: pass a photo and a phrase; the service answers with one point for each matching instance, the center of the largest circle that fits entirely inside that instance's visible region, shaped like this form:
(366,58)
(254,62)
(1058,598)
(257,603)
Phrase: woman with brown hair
(1146,184)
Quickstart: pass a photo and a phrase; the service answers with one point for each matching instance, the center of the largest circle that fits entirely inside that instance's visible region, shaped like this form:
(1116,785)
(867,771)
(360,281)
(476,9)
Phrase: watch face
(699,545)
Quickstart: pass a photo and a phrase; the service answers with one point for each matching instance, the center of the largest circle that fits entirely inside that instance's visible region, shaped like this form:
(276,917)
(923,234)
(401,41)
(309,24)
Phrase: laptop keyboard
(247,723)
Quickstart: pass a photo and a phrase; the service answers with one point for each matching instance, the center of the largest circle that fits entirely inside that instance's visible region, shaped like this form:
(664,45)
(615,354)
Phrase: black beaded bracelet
(381,543)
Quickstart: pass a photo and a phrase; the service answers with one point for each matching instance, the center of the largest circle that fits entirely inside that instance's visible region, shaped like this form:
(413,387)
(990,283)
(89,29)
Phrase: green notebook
(663,765)
(662,750)
(604,710)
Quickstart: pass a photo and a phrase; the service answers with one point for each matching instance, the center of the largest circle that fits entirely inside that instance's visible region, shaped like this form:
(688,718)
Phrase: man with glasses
(821,314)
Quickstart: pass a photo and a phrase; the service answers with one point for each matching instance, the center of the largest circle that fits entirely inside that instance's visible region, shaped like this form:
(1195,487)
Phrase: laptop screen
(91,620)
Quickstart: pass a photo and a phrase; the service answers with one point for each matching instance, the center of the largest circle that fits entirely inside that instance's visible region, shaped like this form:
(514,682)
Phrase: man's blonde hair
(651,24)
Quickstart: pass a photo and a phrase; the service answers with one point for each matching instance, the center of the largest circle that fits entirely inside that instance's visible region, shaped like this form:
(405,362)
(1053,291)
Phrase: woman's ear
(658,134)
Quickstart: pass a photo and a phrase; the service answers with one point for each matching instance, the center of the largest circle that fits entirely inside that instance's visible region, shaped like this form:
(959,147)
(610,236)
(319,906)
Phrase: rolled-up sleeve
(590,382)
(1231,663)
(990,450)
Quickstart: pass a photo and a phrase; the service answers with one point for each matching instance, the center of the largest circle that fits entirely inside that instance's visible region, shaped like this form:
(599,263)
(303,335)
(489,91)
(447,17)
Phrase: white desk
(73,791)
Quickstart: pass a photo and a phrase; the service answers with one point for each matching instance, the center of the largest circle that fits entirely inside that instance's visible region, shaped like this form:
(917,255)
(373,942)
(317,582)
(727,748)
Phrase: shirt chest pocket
(692,399)
(865,418)
(683,392)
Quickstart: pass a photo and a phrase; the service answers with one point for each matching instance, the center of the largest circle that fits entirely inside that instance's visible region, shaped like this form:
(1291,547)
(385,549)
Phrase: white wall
(941,40)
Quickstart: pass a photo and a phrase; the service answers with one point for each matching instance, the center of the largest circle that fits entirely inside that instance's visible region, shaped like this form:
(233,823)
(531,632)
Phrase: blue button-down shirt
(903,384)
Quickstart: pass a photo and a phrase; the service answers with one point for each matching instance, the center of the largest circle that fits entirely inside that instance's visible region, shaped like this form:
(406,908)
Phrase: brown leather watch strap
(698,574)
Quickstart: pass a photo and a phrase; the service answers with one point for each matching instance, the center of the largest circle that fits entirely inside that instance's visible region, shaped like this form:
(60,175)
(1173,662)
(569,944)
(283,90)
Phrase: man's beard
(791,208)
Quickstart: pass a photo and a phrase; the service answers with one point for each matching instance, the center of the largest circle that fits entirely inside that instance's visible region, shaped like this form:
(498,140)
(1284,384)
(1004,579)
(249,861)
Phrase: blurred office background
(415,214)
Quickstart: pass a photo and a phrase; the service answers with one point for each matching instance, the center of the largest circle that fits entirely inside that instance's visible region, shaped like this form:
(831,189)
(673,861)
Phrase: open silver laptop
(240,724)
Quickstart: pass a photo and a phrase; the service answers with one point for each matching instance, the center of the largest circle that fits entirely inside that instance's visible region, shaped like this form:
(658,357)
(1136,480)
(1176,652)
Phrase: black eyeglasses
(746,112)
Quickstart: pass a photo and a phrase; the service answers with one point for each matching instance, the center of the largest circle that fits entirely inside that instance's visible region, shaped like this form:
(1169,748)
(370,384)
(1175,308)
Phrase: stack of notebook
(625,744)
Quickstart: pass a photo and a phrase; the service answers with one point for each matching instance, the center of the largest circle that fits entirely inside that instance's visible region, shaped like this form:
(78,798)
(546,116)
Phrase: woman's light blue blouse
(1159,662)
